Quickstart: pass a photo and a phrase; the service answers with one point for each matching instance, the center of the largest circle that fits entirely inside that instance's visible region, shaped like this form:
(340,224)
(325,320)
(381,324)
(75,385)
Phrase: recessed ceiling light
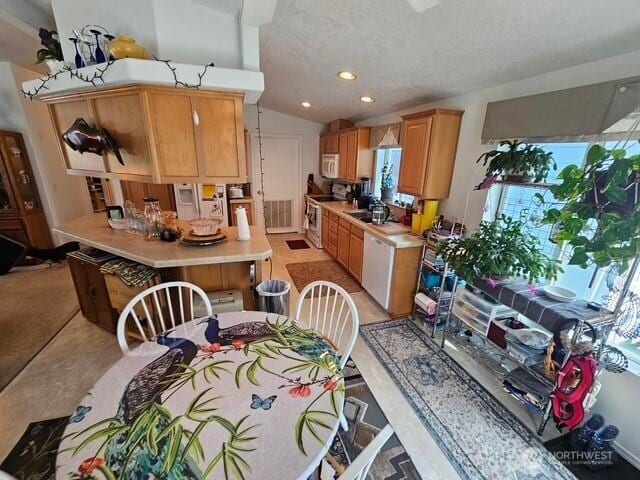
(367,99)
(305,104)
(347,75)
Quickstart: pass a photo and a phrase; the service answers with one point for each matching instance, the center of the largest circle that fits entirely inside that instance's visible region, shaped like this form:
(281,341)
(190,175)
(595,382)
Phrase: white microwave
(330,164)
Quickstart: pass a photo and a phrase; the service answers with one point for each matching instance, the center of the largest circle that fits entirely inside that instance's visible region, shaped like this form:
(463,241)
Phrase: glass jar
(153,218)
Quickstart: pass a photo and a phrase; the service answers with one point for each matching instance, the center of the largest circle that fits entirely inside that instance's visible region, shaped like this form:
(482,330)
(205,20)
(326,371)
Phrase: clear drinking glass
(154,219)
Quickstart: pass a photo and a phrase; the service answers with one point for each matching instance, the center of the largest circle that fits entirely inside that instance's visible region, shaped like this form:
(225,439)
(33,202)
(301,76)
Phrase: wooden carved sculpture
(82,137)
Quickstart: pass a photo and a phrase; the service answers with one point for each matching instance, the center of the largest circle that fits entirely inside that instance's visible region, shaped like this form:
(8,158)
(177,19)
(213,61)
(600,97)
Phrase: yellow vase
(126,47)
(429,214)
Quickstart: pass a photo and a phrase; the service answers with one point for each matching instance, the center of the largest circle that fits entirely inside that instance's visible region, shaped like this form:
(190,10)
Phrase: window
(391,156)
(518,202)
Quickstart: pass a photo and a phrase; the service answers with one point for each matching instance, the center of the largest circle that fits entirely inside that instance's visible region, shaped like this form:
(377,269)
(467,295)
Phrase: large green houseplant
(519,162)
(598,208)
(497,250)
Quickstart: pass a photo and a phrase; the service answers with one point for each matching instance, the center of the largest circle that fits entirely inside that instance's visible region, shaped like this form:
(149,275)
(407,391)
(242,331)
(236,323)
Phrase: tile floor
(55,381)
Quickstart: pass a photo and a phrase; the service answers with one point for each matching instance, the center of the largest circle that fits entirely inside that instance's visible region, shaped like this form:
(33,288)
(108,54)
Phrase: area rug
(34,456)
(365,419)
(34,307)
(304,273)
(297,244)
(481,438)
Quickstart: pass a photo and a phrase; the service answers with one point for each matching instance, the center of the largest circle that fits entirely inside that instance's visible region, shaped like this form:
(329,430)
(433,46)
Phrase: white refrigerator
(196,200)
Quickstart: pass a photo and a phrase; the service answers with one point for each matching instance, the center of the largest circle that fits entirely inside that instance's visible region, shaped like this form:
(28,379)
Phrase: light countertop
(93,230)
(241,200)
(395,234)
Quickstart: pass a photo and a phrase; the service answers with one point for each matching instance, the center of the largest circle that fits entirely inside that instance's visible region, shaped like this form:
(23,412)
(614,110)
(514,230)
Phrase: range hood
(385,136)
(133,71)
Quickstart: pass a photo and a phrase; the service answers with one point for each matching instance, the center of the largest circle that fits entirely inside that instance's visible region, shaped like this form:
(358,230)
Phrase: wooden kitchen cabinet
(356,158)
(332,235)
(165,134)
(248,206)
(429,142)
(356,252)
(136,191)
(122,115)
(325,229)
(344,238)
(330,143)
(92,293)
(63,114)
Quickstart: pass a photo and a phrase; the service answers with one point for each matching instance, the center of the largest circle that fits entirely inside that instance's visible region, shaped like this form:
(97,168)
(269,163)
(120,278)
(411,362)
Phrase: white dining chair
(151,306)
(359,468)
(332,313)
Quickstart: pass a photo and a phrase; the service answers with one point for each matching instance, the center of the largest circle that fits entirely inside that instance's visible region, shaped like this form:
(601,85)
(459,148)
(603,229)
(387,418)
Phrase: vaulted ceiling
(404,58)
(408,52)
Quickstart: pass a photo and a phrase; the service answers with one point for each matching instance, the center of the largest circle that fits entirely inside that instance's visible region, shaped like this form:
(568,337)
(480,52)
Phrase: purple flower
(46,36)
(492,283)
(533,289)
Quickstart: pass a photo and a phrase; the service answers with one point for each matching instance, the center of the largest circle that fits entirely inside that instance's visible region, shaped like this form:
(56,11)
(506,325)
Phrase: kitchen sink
(363,216)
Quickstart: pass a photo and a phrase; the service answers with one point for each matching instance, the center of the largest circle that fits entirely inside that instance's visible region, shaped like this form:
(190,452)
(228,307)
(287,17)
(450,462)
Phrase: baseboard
(628,456)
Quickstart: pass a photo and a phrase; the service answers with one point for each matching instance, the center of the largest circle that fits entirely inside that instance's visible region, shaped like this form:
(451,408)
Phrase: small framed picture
(115,212)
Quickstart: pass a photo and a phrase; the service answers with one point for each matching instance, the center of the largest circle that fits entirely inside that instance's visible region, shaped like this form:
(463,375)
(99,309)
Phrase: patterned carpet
(365,419)
(480,437)
(304,273)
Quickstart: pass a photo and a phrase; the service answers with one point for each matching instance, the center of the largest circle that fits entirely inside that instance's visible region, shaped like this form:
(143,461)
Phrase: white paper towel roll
(243,224)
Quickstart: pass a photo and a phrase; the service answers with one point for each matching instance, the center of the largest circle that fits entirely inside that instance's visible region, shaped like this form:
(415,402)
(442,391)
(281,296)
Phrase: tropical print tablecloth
(238,395)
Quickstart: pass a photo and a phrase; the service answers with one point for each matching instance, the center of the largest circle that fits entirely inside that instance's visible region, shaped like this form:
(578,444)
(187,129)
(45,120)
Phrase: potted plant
(519,162)
(386,183)
(51,54)
(498,250)
(598,211)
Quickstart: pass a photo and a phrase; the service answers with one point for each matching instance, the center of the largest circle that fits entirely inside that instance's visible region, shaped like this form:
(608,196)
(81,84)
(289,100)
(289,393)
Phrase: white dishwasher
(377,267)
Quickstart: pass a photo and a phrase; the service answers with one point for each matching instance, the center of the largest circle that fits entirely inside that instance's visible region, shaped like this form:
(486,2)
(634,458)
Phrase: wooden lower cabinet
(356,252)
(92,293)
(332,236)
(325,229)
(136,191)
(344,238)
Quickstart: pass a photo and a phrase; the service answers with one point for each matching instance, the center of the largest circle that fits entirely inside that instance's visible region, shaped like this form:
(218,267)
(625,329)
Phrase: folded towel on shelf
(132,274)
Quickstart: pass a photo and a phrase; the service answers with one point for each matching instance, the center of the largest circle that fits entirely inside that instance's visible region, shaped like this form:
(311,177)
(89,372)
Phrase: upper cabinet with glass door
(429,141)
(164,134)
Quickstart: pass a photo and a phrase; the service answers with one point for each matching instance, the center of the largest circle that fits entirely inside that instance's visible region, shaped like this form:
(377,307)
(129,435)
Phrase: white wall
(280,123)
(467,173)
(618,398)
(64,197)
(618,403)
(185,31)
(192,32)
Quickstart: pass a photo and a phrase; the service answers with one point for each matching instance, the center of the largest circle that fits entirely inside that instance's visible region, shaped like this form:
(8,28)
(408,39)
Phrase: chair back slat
(359,468)
(148,317)
(159,312)
(340,329)
(154,314)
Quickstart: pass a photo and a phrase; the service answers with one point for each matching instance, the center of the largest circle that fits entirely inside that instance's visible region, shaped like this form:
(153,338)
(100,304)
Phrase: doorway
(282,182)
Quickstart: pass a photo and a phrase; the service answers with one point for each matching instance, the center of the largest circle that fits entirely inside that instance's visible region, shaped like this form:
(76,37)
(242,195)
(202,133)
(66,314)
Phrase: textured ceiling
(404,58)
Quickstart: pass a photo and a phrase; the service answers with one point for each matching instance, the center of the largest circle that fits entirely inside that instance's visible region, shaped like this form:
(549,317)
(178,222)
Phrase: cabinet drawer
(342,223)
(357,232)
(333,226)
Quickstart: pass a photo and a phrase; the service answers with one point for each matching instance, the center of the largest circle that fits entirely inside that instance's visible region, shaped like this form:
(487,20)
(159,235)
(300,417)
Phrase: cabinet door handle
(196,118)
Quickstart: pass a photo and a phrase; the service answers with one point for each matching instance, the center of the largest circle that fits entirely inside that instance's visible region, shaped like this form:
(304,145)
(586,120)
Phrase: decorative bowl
(204,227)
(558,293)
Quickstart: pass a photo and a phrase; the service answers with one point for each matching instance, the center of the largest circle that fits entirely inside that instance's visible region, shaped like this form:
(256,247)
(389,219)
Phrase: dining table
(247,395)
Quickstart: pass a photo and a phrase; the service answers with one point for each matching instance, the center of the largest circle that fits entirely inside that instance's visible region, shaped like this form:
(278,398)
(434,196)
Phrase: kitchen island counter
(94,231)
